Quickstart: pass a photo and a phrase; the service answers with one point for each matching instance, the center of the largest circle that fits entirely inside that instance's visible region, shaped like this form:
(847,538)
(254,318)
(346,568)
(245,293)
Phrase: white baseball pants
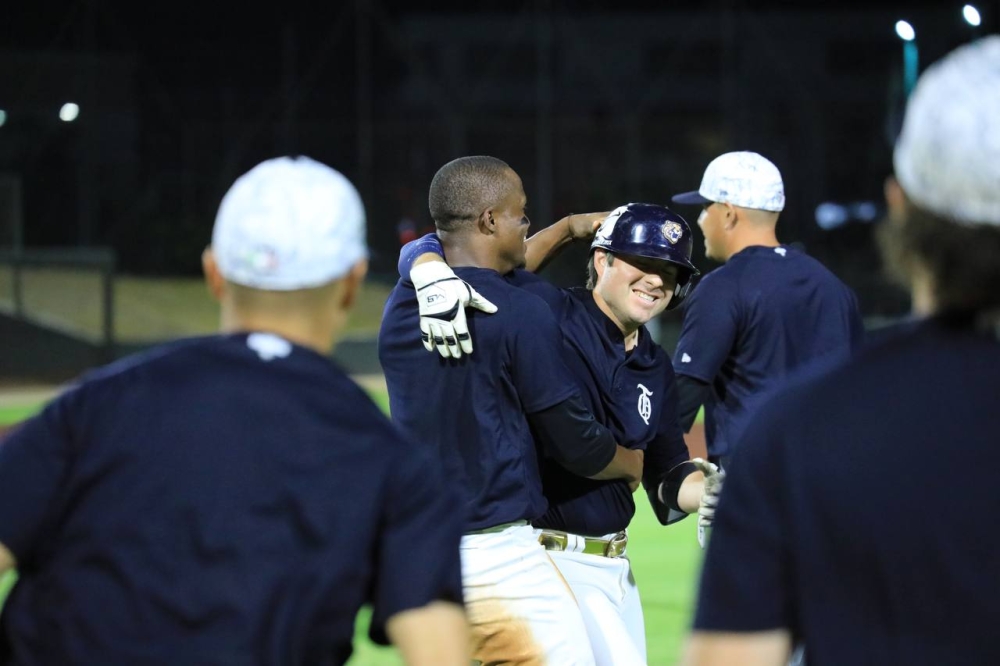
(520,609)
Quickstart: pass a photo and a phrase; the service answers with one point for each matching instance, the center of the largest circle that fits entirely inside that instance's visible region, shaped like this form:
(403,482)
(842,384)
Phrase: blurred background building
(122,124)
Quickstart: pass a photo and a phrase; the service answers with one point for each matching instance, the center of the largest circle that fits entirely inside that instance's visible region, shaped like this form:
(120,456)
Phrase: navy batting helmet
(654,232)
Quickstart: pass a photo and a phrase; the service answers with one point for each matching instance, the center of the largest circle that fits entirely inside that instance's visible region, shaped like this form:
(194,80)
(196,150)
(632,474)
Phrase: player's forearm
(692,393)
(626,465)
(434,635)
(569,434)
(424,249)
(7,561)
(545,245)
(690,492)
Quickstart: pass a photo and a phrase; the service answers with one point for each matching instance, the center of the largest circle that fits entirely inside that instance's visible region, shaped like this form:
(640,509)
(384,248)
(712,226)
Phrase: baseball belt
(563,541)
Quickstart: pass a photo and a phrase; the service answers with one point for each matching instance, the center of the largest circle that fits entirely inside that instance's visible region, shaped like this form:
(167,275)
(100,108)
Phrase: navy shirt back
(473,410)
(222,500)
(751,322)
(632,395)
(859,511)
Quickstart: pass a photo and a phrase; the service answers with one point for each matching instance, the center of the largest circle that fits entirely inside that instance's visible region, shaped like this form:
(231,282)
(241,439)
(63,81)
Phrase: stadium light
(906,31)
(971,16)
(3,117)
(910,58)
(69,112)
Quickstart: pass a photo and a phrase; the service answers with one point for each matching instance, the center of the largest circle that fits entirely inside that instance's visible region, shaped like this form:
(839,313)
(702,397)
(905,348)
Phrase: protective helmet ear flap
(681,292)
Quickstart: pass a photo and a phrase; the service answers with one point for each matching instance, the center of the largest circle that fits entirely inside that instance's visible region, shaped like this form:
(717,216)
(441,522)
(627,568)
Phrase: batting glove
(443,297)
(714,479)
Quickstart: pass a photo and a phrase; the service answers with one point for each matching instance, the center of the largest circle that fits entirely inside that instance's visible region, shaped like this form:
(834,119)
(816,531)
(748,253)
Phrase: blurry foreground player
(859,515)
(234,499)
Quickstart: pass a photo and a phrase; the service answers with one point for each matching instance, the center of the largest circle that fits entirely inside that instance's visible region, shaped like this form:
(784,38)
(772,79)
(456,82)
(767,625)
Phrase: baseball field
(665,562)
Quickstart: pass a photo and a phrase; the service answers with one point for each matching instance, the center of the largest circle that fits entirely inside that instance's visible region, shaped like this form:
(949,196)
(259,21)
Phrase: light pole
(910,57)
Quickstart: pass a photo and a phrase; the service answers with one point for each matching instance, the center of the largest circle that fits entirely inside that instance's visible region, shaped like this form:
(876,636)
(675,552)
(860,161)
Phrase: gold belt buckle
(553,540)
(616,545)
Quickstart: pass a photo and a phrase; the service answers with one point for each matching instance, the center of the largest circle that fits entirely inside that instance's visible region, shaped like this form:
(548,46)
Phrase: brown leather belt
(561,541)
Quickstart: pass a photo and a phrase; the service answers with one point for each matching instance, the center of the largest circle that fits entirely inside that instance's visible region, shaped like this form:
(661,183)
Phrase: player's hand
(583,226)
(443,297)
(714,480)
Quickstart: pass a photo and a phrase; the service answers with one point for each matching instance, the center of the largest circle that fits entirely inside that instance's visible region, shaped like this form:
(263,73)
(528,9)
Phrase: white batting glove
(714,480)
(443,297)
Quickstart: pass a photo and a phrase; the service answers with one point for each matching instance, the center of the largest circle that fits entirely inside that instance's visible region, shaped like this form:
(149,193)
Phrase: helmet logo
(672,231)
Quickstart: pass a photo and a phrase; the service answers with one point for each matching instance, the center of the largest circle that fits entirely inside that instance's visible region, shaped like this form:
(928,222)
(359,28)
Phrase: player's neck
(752,238)
(305,329)
(629,333)
(462,250)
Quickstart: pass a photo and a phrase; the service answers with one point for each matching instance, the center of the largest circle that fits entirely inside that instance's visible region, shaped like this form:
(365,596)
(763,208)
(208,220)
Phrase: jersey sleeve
(538,370)
(34,461)
(745,581)
(664,454)
(711,323)
(418,554)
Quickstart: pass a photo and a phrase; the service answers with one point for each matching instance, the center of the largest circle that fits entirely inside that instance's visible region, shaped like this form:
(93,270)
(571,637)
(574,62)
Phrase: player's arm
(692,393)
(436,634)
(442,297)
(760,648)
(7,561)
(570,435)
(545,245)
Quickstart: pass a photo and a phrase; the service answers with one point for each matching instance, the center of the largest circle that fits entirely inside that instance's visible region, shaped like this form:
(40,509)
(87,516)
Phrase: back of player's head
(947,162)
(463,188)
(289,223)
(947,158)
(744,179)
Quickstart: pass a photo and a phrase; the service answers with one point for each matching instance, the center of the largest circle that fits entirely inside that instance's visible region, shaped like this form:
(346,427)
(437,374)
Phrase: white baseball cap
(743,179)
(947,157)
(289,223)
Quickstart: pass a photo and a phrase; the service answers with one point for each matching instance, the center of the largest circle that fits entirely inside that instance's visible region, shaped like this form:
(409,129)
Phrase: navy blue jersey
(860,509)
(751,322)
(221,500)
(633,395)
(473,410)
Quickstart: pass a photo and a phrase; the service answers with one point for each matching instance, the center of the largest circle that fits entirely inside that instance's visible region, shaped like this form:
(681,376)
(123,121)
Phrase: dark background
(593,103)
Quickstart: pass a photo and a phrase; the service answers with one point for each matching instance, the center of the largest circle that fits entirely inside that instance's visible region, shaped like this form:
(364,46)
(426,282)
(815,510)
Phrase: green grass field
(665,562)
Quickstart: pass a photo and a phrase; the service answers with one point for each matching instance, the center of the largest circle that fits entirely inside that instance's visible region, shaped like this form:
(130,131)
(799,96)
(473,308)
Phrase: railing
(101,260)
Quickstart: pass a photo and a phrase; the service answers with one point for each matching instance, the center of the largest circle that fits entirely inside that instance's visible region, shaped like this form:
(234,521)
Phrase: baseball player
(847,522)
(640,265)
(485,413)
(769,310)
(236,498)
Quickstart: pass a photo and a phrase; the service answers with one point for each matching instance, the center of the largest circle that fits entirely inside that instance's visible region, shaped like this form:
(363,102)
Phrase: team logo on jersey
(645,404)
(672,231)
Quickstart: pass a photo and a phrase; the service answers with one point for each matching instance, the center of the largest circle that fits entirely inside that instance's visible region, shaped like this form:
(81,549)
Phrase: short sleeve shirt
(764,314)
(632,394)
(473,411)
(856,511)
(223,500)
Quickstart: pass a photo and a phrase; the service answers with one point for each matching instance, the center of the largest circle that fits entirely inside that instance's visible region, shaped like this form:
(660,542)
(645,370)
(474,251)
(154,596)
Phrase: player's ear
(352,283)
(730,217)
(895,198)
(213,278)
(487,225)
(601,260)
